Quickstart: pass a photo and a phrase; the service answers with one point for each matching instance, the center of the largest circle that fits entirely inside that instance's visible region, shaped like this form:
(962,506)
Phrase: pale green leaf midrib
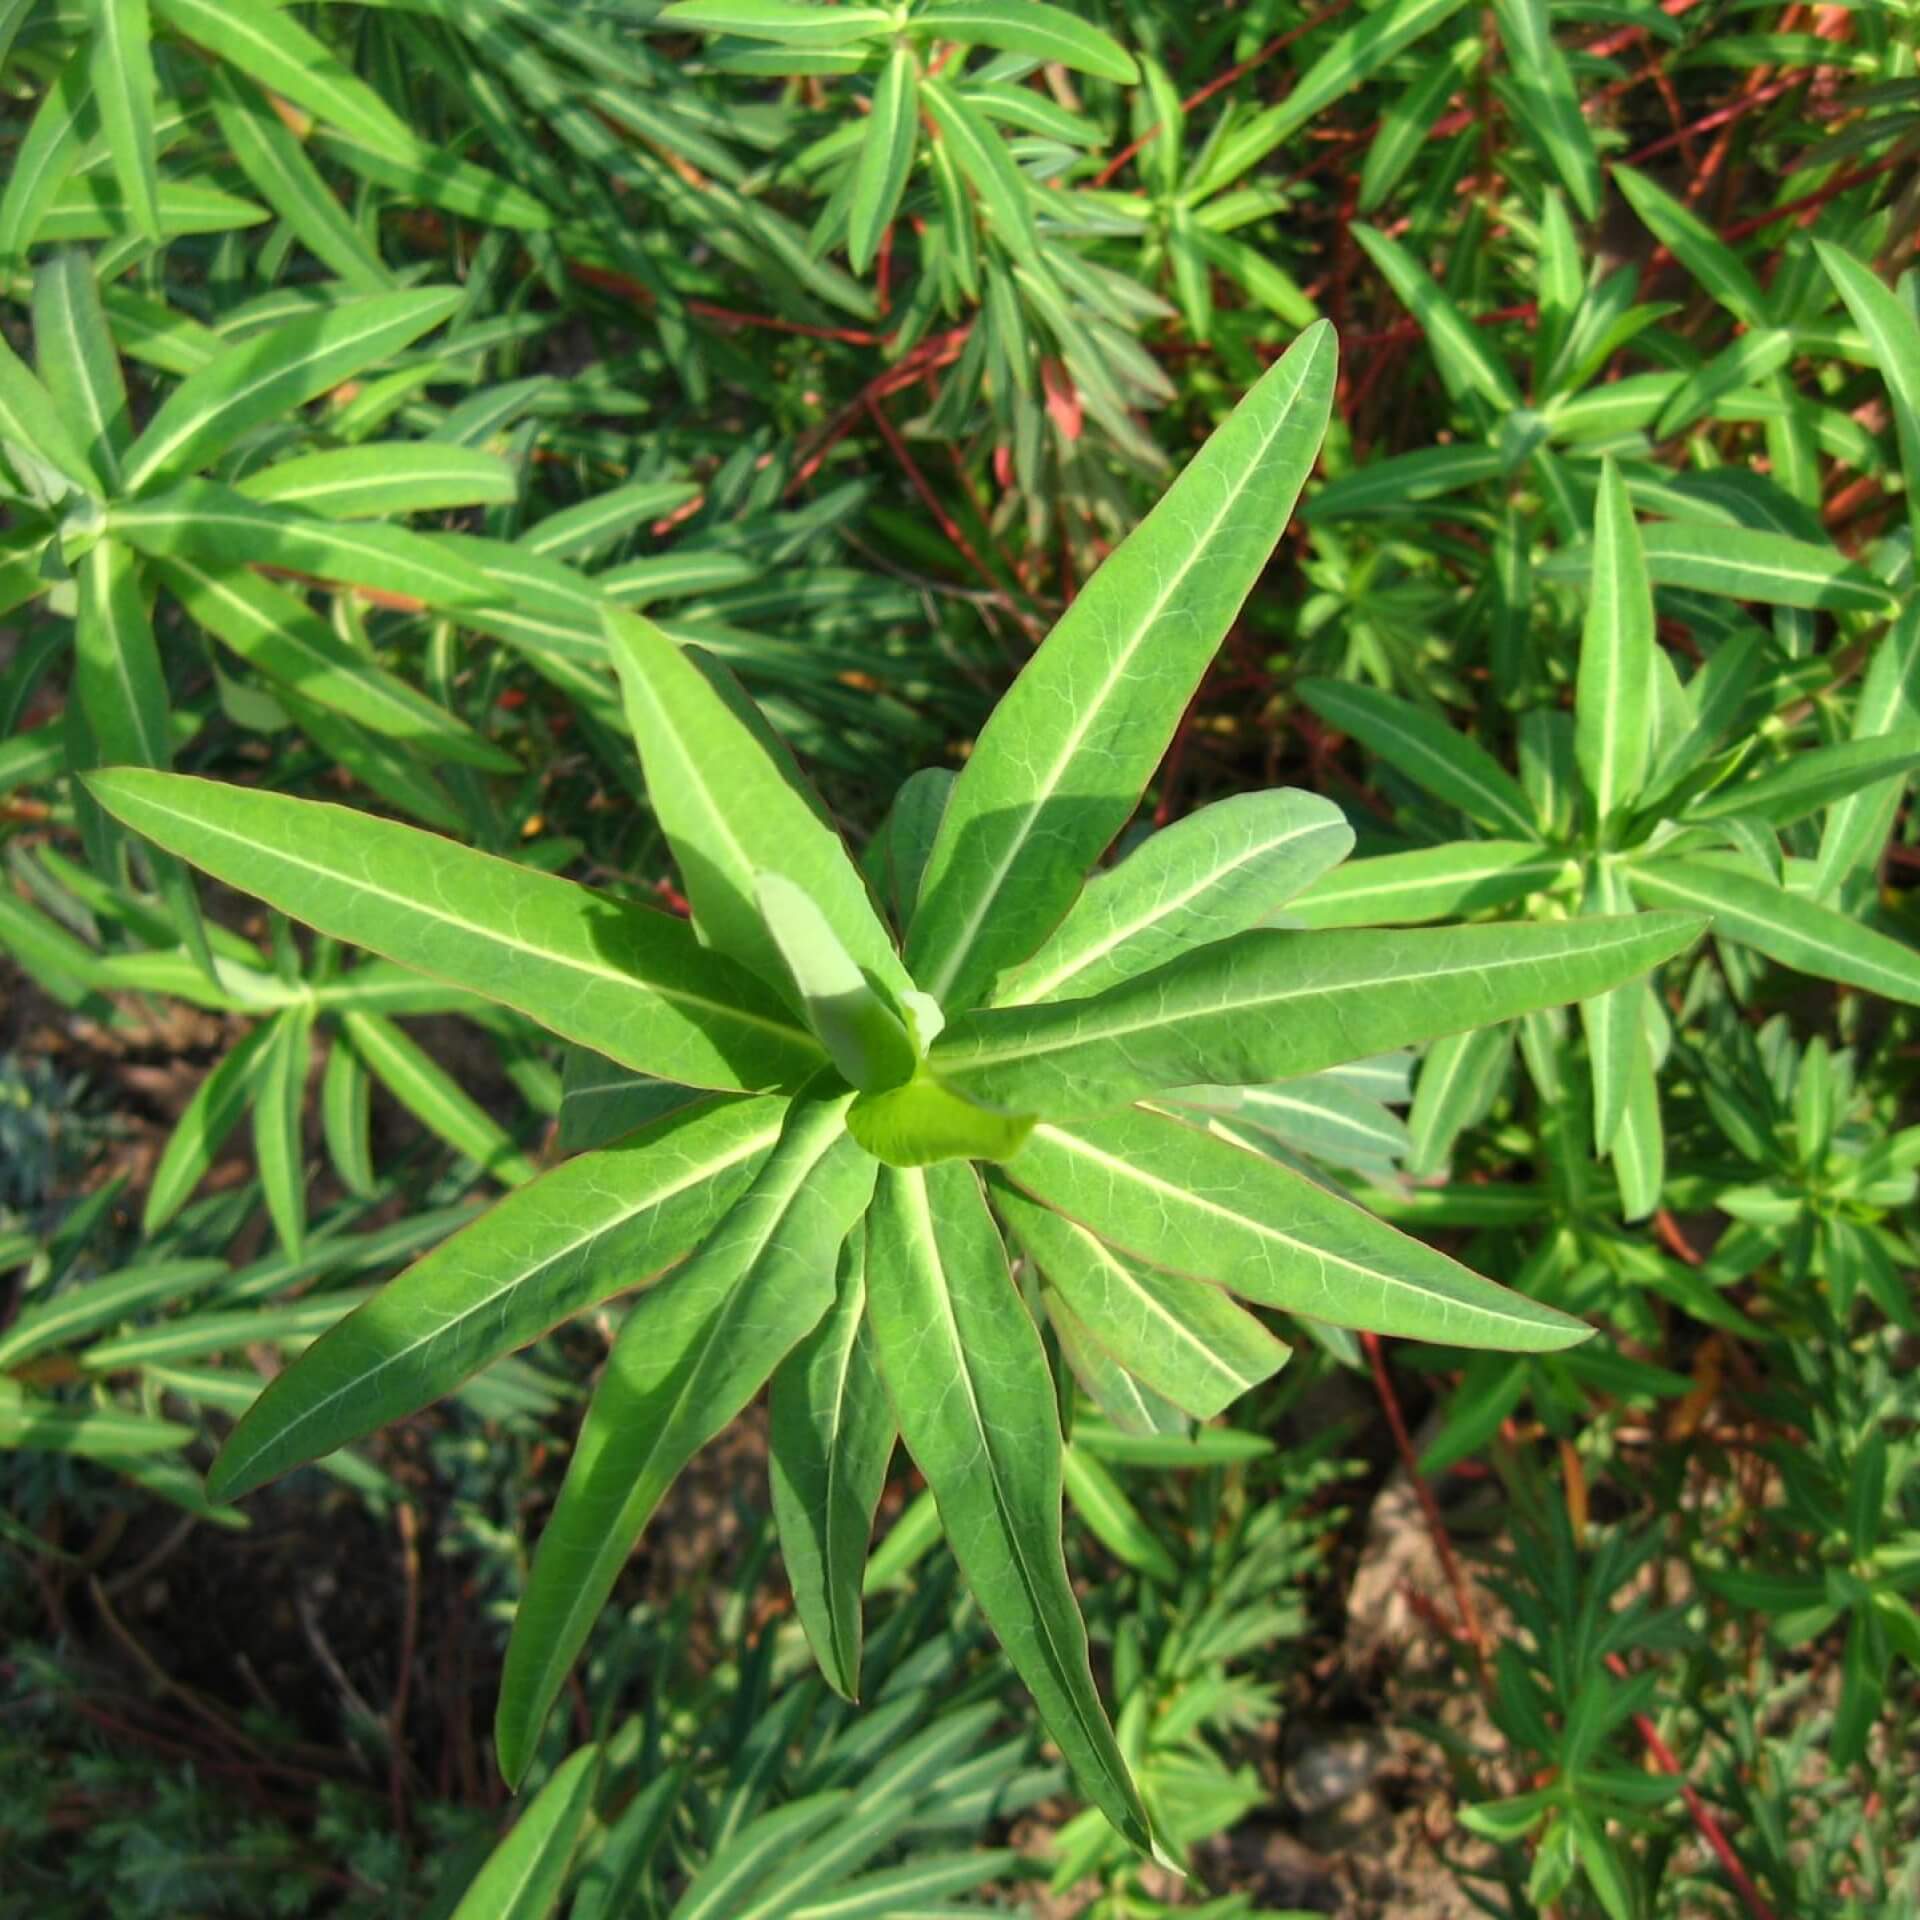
(1079,962)
(676,995)
(1139,1176)
(980,1058)
(1180,1335)
(1326,1116)
(961,948)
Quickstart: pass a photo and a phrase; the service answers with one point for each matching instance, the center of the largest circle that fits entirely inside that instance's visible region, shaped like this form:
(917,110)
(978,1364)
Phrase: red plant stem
(1709,1828)
(945,521)
(1220,81)
(1429,1507)
(1819,198)
(1624,37)
(1720,118)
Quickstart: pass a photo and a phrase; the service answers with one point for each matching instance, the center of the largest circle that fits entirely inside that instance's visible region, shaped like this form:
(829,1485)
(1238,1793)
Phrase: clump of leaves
(872,1103)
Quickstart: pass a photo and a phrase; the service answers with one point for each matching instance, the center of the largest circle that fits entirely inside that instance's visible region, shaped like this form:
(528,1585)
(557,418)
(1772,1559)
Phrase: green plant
(838,1222)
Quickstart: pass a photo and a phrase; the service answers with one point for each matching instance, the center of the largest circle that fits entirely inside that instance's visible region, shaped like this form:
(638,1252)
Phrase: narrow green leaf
(1613,718)
(693,1352)
(629,982)
(525,1874)
(202,1129)
(1430,883)
(1272,1005)
(1639,1144)
(1030,27)
(435,1098)
(1550,114)
(1459,1078)
(346,1119)
(1796,932)
(30,420)
(271,47)
(1059,767)
(1616,1028)
(1889,704)
(982,157)
(974,1395)
(592,1228)
(270,374)
(1744,563)
(1812,778)
(285,639)
(1217,872)
(91,1433)
(1696,246)
(860,1033)
(788,23)
(277,165)
(1183,1199)
(1465,362)
(1894,336)
(1413,742)
(123,86)
(278,1143)
(74,346)
(86,1308)
(831,1434)
(63,126)
(730,813)
(1184,1338)
(437,178)
(199,520)
(886,156)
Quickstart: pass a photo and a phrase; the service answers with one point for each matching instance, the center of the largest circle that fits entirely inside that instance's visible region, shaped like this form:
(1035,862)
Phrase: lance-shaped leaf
(30,420)
(830,1437)
(886,156)
(1060,766)
(625,980)
(974,1395)
(1273,1005)
(730,813)
(1465,362)
(1796,932)
(286,640)
(1220,871)
(269,374)
(1425,749)
(693,1352)
(1894,335)
(862,1035)
(788,23)
(1430,883)
(201,520)
(345,483)
(1183,1337)
(1745,563)
(1179,1198)
(1616,1035)
(1856,828)
(1030,27)
(598,1225)
(526,1873)
(74,347)
(1613,707)
(1814,777)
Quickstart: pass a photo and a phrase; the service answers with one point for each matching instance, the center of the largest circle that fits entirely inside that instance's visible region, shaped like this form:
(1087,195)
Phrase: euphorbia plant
(829,1216)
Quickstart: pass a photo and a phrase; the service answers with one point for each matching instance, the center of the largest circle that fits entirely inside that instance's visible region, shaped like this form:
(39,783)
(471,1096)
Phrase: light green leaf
(1813,777)
(30,420)
(729,813)
(63,126)
(1030,27)
(1183,1199)
(1889,704)
(925,1121)
(1059,767)
(1217,872)
(592,1228)
(435,1098)
(1426,750)
(88,206)
(1550,115)
(1616,1029)
(270,374)
(789,23)
(277,166)
(1613,705)
(346,1119)
(1696,246)
(438,178)
(1460,352)
(886,156)
(1639,1144)
(123,86)
(204,1124)
(974,1395)
(625,980)
(1796,932)
(199,520)
(693,1352)
(278,1142)
(1272,1005)
(861,1034)
(1459,1079)
(74,347)
(1184,1338)
(982,156)
(1744,563)
(1894,336)
(92,1433)
(831,1434)
(285,639)
(1430,883)
(524,1875)
(273,48)
(78,1310)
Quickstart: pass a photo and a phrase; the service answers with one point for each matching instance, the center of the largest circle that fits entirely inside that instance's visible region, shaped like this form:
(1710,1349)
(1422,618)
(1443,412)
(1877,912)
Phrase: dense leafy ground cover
(785,785)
